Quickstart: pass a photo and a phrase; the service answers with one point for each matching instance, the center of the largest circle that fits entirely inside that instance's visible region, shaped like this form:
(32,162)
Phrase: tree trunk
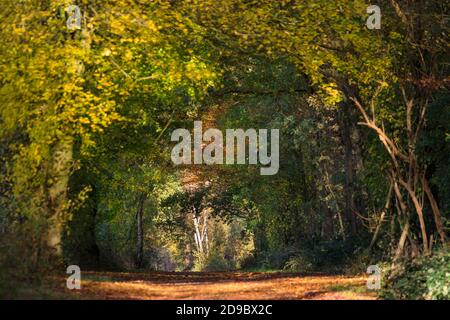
(435,209)
(349,166)
(402,241)
(60,169)
(419,211)
(383,214)
(93,250)
(406,164)
(140,231)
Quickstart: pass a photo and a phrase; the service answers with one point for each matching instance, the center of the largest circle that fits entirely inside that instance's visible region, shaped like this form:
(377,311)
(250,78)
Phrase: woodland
(91,91)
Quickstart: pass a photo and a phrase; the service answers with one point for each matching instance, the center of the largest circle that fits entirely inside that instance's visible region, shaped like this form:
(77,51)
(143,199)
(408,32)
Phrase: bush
(326,256)
(213,261)
(24,254)
(425,278)
(298,264)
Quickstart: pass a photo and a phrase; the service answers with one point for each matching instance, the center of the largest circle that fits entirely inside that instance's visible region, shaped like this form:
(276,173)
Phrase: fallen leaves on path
(221,286)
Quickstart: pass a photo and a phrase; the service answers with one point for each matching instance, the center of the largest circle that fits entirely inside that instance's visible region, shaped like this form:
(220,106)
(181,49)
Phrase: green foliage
(86,116)
(425,278)
(73,99)
(298,264)
(211,262)
(333,256)
(435,149)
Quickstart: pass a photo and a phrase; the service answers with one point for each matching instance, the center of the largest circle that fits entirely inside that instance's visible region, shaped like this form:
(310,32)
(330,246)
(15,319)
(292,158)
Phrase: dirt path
(222,286)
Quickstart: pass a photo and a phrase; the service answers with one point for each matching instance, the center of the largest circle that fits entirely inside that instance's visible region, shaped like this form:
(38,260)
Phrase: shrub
(327,256)
(425,278)
(213,261)
(298,264)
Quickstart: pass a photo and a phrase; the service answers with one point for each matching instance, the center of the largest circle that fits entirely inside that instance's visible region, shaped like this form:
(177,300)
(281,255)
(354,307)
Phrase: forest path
(221,286)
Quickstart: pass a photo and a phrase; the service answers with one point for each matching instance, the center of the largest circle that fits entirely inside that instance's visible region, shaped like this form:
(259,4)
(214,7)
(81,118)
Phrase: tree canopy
(91,90)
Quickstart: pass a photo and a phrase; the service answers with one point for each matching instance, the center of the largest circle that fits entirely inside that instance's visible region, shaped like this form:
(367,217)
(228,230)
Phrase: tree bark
(408,164)
(60,169)
(402,241)
(140,231)
(435,209)
(349,166)
(383,214)
(419,211)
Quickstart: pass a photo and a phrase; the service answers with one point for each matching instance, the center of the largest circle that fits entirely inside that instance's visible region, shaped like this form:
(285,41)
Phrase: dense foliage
(425,278)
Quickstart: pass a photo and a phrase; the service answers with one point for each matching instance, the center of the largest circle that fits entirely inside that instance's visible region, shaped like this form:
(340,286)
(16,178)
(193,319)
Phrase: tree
(347,64)
(62,88)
